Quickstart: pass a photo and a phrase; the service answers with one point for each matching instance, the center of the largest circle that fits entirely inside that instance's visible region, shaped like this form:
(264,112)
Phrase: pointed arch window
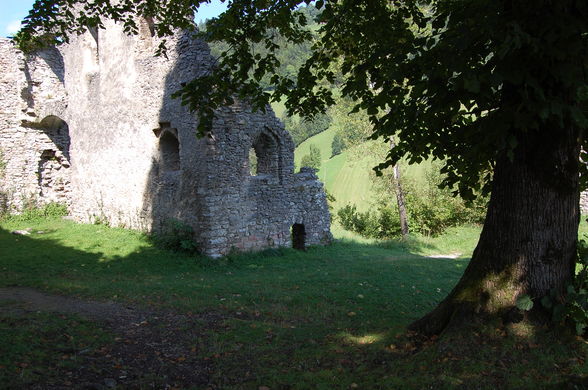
(264,156)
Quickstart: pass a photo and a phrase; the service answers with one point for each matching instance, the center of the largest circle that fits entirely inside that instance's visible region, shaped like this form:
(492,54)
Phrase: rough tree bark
(528,243)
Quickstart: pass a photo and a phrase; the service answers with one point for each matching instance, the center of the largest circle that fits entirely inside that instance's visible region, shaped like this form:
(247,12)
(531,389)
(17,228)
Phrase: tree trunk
(400,202)
(399,196)
(528,243)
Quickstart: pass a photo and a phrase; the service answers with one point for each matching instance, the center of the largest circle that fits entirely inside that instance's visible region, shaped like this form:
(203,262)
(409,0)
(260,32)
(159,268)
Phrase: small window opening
(264,156)
(169,148)
(57,130)
(252,162)
(298,237)
(47,155)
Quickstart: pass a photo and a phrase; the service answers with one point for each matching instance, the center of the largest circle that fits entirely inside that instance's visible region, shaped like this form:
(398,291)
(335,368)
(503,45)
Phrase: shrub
(33,212)
(346,215)
(431,210)
(383,223)
(338,145)
(389,223)
(176,236)
(54,209)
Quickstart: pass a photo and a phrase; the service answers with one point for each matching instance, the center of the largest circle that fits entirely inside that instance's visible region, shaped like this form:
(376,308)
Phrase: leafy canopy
(456,80)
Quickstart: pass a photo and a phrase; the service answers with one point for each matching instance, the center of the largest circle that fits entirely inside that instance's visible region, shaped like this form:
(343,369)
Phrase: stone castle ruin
(92,124)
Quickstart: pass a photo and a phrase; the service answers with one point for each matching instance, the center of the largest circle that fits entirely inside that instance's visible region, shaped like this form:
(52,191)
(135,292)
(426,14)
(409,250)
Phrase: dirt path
(32,300)
(152,349)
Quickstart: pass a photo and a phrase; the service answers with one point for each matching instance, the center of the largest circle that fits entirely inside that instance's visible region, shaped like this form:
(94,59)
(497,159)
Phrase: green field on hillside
(321,140)
(349,181)
(348,176)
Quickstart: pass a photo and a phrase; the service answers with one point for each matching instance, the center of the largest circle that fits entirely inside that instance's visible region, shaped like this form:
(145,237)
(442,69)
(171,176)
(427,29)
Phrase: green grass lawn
(97,261)
(38,347)
(328,318)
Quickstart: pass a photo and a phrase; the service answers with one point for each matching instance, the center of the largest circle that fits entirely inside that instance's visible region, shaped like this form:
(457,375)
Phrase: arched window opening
(52,123)
(298,237)
(169,148)
(264,156)
(58,131)
(252,162)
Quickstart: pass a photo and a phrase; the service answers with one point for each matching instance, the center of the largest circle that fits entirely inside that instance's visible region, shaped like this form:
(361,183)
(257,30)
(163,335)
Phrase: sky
(13,11)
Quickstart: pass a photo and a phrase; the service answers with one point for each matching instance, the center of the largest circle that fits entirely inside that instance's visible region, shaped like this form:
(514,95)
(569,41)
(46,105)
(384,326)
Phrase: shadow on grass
(104,263)
(333,316)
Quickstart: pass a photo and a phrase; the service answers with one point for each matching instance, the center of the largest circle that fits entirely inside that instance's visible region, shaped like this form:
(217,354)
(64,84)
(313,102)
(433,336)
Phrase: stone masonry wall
(119,107)
(248,212)
(584,202)
(33,141)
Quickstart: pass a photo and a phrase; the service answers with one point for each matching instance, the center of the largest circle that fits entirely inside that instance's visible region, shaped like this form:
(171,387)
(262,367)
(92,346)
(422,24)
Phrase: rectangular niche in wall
(169,150)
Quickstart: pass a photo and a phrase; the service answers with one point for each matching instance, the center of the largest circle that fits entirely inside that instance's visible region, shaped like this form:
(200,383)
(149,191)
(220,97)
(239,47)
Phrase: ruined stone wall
(251,212)
(100,110)
(33,139)
(120,106)
(584,202)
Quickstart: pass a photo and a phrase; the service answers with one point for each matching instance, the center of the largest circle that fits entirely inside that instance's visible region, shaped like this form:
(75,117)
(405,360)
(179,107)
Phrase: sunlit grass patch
(362,340)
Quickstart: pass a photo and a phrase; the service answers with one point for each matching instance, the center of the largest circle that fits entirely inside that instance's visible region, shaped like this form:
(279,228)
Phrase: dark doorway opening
(298,237)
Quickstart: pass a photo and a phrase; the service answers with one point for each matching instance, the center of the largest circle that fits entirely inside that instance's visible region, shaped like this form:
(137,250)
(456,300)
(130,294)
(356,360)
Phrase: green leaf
(559,312)
(580,326)
(472,84)
(546,302)
(524,302)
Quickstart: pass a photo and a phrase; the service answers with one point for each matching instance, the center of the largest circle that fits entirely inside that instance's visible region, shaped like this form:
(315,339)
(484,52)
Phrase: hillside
(347,175)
